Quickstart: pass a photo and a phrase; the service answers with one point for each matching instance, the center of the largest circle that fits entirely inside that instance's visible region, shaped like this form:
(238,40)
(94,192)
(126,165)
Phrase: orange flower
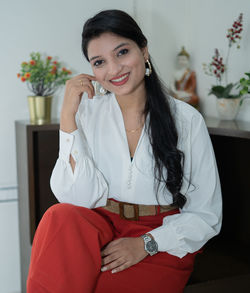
(24,63)
(32,62)
(23,78)
(54,69)
(18,75)
(55,62)
(49,57)
(27,75)
(64,69)
(69,72)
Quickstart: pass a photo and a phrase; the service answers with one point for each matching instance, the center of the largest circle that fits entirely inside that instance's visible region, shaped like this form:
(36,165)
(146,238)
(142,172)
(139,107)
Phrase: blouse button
(67,139)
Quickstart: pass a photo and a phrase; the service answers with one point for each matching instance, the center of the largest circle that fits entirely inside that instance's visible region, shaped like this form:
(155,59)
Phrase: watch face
(152,246)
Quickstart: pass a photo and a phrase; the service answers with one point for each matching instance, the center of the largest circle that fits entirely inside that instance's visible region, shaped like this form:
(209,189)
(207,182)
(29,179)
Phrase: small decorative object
(227,102)
(43,78)
(184,84)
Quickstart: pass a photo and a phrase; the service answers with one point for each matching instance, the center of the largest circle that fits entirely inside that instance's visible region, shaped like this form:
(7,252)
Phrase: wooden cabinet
(37,151)
(224,266)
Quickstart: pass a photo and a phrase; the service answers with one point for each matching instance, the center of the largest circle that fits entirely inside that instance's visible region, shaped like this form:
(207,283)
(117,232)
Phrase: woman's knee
(62,214)
(64,209)
(84,218)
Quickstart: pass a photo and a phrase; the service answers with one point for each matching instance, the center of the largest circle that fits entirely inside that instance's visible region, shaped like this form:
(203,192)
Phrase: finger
(88,89)
(92,77)
(83,75)
(121,268)
(113,242)
(109,249)
(90,93)
(117,263)
(85,82)
(110,258)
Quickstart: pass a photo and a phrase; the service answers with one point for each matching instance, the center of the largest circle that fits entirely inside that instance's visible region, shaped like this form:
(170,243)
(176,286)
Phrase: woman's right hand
(75,88)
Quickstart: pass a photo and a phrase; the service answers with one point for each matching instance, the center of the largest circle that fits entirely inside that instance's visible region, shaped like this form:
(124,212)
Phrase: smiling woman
(125,225)
(116,65)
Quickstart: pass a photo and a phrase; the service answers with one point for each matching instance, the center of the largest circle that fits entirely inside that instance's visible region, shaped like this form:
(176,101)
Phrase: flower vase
(40,109)
(228,108)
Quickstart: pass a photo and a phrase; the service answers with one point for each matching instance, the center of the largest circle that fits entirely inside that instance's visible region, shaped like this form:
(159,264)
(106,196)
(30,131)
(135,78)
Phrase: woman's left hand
(122,253)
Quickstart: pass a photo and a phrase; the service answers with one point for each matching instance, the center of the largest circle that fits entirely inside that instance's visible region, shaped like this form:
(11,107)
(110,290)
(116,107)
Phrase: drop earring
(103,91)
(148,69)
(99,89)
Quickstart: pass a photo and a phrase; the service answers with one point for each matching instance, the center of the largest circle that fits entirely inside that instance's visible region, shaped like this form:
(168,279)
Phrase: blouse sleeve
(86,186)
(200,218)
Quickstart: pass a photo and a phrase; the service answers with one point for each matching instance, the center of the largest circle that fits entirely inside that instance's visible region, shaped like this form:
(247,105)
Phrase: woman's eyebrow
(119,46)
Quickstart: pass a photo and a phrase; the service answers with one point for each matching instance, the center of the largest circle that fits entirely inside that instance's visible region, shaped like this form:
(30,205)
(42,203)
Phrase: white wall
(200,26)
(9,246)
(208,28)
(53,28)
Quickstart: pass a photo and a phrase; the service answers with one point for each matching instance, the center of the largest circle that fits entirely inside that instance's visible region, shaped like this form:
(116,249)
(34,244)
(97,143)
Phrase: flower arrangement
(43,76)
(218,69)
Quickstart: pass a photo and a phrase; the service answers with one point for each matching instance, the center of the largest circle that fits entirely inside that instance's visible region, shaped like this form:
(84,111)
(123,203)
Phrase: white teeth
(119,79)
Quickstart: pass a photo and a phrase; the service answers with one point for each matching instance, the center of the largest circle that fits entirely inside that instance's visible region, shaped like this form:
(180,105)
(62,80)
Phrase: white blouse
(104,170)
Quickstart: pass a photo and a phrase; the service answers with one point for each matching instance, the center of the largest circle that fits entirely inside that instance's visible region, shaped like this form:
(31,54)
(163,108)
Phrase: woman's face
(118,63)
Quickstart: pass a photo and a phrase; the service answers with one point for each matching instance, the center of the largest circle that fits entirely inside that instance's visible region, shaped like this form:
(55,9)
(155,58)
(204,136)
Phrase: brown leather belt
(130,211)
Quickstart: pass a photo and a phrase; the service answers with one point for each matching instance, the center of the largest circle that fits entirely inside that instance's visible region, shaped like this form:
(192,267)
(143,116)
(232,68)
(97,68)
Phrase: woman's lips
(122,79)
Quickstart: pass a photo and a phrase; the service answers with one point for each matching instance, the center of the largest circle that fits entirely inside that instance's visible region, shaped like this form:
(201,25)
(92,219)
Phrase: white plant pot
(228,108)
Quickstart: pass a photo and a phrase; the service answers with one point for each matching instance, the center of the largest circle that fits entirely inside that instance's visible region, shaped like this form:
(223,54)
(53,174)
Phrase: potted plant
(227,100)
(43,77)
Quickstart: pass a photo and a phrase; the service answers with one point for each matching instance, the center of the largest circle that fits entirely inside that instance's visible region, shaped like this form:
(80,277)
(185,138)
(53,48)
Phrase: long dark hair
(162,130)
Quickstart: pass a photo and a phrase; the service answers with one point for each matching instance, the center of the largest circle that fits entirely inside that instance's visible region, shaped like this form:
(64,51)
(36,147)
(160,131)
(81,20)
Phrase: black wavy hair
(162,130)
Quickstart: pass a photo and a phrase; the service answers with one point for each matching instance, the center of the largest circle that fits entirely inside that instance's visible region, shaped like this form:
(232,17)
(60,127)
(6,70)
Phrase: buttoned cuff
(70,144)
(166,240)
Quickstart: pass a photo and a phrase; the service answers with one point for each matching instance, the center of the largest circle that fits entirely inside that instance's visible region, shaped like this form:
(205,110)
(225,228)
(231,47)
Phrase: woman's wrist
(67,122)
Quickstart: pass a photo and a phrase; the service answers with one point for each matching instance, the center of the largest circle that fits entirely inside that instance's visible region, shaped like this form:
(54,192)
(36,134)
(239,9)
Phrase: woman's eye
(123,51)
(98,62)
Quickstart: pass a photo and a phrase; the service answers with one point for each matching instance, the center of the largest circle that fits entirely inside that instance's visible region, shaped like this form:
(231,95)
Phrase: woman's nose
(114,69)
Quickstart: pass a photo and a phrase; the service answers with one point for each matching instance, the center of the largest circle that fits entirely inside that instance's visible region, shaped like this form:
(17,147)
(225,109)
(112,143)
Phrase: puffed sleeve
(201,217)
(86,186)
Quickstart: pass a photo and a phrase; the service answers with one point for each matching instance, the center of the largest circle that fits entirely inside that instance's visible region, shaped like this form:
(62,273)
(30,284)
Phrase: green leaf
(217,90)
(223,92)
(227,90)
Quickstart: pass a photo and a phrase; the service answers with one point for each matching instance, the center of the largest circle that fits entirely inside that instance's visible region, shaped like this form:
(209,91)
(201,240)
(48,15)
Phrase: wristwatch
(150,245)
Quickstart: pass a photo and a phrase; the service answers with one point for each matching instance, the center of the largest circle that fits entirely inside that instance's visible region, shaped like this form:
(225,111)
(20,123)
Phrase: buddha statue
(184,84)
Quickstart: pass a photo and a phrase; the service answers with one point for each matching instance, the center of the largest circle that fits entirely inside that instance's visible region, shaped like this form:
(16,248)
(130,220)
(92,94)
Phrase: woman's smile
(118,81)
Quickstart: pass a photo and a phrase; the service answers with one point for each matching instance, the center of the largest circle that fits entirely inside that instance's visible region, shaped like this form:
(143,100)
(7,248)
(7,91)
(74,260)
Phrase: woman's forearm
(68,124)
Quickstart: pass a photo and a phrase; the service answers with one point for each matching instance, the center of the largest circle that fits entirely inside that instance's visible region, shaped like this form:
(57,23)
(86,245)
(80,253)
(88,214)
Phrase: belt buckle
(136,211)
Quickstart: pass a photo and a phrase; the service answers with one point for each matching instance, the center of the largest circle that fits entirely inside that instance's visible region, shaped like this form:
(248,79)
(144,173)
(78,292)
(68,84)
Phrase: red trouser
(66,257)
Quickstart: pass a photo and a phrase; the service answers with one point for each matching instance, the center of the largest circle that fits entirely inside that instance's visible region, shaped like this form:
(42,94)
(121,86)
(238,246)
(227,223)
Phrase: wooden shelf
(234,128)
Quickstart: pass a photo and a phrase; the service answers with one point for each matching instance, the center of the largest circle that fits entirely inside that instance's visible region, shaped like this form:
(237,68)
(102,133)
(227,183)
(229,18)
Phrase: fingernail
(103,269)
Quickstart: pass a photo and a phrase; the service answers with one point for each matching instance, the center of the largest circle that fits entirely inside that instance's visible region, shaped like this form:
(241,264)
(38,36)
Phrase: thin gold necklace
(134,130)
